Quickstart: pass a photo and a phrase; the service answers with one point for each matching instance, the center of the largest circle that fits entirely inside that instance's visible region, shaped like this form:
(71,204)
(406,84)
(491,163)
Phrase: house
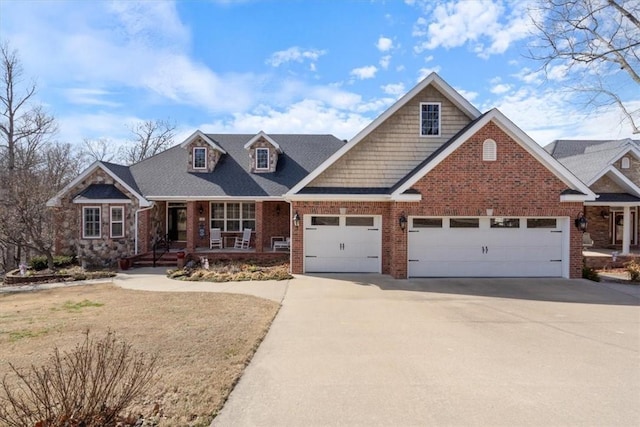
(611,169)
(230,182)
(434,187)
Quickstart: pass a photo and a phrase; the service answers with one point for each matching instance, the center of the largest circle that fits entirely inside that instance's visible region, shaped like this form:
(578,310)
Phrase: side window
(489,150)
(117,221)
(91,222)
(430,119)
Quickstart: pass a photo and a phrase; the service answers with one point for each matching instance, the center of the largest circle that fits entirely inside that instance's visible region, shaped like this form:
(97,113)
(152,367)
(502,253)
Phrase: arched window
(625,164)
(489,150)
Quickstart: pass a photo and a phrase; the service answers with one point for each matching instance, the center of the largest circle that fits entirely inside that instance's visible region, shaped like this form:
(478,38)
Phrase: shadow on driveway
(537,289)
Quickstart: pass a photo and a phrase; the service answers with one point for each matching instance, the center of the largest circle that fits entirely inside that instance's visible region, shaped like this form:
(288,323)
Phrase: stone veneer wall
(273,156)
(98,252)
(213,156)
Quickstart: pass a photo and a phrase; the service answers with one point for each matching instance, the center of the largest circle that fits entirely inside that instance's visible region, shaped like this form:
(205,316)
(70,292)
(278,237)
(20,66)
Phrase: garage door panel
(487,251)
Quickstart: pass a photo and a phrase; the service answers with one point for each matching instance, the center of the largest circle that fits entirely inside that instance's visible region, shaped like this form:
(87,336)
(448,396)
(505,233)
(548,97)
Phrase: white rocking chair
(215,239)
(243,242)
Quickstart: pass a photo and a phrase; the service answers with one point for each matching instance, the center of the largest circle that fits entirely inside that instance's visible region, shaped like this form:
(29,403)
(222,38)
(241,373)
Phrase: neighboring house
(433,187)
(231,182)
(611,169)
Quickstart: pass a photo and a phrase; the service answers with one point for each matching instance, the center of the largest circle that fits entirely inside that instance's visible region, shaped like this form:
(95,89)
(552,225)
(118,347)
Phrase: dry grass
(204,340)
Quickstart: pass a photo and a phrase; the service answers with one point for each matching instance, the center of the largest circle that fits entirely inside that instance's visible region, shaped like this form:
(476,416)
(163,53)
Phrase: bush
(590,274)
(40,262)
(633,268)
(90,386)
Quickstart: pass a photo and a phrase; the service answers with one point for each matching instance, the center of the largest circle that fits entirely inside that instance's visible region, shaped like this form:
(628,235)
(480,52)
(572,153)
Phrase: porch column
(259,226)
(191,226)
(626,230)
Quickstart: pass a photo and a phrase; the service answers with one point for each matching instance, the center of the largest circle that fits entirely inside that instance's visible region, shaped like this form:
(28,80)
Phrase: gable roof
(432,79)
(165,176)
(119,173)
(198,134)
(517,135)
(101,191)
(589,160)
(267,138)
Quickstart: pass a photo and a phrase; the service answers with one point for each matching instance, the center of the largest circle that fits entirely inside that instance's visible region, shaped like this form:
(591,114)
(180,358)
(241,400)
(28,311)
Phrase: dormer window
(430,119)
(199,157)
(262,158)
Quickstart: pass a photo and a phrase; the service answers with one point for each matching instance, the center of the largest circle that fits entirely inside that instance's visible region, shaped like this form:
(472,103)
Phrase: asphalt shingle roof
(166,175)
(102,191)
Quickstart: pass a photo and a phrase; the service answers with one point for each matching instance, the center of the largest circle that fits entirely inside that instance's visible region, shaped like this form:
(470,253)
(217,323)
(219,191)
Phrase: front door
(617,227)
(177,222)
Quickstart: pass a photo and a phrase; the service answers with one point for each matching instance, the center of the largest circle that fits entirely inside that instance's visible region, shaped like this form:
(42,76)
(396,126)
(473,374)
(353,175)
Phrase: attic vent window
(489,150)
(262,158)
(626,163)
(199,158)
(430,119)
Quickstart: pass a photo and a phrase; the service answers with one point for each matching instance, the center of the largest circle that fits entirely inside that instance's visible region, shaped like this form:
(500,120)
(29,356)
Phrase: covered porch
(612,224)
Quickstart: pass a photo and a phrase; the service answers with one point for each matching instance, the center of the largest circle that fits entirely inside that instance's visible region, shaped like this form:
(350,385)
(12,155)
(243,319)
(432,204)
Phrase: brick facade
(516,184)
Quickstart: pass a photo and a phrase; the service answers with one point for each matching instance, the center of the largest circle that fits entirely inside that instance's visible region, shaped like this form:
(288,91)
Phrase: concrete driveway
(369,350)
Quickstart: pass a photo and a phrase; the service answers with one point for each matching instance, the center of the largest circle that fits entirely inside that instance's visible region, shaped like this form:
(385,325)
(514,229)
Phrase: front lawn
(204,340)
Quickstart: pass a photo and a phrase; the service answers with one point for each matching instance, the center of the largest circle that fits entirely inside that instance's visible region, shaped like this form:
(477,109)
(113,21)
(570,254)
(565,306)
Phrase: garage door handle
(372,257)
(372,229)
(310,228)
(556,231)
(310,256)
(414,231)
(414,260)
(555,260)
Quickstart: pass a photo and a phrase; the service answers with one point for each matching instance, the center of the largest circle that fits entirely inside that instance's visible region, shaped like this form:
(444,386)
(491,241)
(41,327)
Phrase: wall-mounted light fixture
(277,209)
(200,209)
(296,220)
(604,214)
(581,222)
(402,221)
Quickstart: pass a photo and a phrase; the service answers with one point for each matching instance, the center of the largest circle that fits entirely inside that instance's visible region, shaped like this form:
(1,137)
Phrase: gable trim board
(619,178)
(266,137)
(199,134)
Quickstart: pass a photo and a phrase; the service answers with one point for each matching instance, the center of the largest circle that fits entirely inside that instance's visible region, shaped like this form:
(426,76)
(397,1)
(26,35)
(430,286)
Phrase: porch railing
(161,246)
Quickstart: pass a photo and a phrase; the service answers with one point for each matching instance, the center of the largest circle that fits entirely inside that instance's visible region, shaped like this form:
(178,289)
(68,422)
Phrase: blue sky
(283,66)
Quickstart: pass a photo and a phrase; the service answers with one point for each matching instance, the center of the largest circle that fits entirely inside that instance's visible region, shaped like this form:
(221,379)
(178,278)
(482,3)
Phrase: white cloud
(395,89)
(487,26)
(384,44)
(468,95)
(424,72)
(87,96)
(363,73)
(294,54)
(384,61)
(500,88)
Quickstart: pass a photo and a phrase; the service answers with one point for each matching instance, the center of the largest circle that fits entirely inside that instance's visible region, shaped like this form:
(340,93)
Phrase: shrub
(633,268)
(90,386)
(40,262)
(590,274)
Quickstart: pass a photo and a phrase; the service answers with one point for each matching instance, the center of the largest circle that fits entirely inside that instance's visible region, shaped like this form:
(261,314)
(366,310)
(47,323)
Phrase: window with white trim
(117,221)
(233,216)
(430,119)
(91,222)
(199,157)
(625,163)
(489,150)
(262,158)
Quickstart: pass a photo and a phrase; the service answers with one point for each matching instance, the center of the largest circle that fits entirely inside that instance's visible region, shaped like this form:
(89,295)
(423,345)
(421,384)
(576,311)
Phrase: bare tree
(149,138)
(24,129)
(598,41)
(101,150)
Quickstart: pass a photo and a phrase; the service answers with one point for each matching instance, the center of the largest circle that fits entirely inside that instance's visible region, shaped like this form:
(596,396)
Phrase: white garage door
(342,244)
(488,247)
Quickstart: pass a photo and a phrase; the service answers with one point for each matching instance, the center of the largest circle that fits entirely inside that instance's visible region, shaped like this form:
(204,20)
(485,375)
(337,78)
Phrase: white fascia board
(55,200)
(337,197)
(432,78)
(198,134)
(517,135)
(85,201)
(574,198)
(259,135)
(407,198)
(614,204)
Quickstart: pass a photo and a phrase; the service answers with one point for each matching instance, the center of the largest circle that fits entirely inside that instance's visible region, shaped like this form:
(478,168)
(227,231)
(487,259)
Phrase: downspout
(135,225)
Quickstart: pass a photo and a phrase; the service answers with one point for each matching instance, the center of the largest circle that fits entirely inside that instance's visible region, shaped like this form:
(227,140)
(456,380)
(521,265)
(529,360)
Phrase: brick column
(144,222)
(399,242)
(259,226)
(192,226)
